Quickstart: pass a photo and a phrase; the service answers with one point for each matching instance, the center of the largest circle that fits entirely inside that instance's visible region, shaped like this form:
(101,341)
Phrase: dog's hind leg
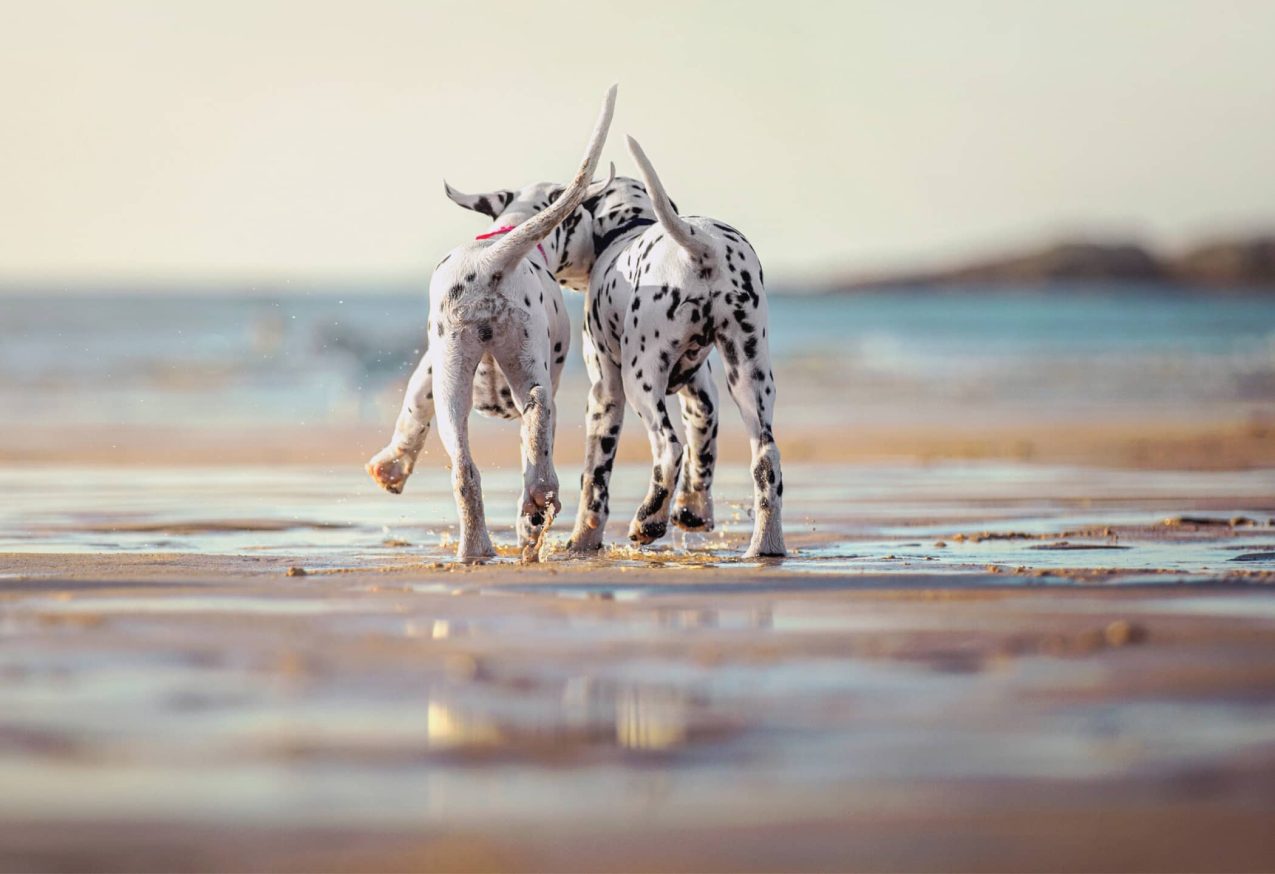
(693,505)
(455,363)
(603,420)
(529,381)
(752,385)
(393,465)
(651,521)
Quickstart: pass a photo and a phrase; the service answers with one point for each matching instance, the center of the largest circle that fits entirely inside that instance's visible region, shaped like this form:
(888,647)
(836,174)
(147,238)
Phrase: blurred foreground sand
(963,666)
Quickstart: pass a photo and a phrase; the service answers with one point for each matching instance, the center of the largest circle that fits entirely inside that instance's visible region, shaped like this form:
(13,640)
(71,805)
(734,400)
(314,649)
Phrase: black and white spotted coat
(663,293)
(498,336)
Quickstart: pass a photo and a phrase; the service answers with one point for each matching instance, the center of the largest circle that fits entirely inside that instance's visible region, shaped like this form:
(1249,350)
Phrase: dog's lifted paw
(390,469)
(643,533)
(691,512)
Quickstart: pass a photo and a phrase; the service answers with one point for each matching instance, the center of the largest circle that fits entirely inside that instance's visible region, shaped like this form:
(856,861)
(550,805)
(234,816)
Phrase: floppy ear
(491,204)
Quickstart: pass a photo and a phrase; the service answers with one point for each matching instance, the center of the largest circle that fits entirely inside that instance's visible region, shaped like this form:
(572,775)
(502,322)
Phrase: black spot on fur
(688,520)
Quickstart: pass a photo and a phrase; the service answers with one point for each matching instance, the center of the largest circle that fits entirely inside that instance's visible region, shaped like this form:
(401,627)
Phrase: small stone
(295,571)
(939,544)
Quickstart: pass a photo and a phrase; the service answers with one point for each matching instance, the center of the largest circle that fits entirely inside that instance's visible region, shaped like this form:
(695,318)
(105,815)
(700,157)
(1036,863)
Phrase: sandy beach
(991,283)
(1027,621)
(971,664)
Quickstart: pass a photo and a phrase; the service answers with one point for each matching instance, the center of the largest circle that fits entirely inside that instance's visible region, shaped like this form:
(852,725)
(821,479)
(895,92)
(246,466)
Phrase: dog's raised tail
(518,243)
(674,225)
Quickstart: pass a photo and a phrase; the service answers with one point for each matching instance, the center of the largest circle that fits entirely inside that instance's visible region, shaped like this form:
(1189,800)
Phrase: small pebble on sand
(295,571)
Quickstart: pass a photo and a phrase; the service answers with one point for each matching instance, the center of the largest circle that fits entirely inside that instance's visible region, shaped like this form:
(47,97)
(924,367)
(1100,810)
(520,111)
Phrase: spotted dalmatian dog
(499,335)
(662,292)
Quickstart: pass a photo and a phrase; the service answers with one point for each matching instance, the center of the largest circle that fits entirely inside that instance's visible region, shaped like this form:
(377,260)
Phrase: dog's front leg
(693,506)
(603,419)
(454,366)
(393,465)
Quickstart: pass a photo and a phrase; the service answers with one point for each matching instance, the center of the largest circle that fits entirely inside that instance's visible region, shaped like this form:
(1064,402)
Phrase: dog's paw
(586,537)
(766,545)
(644,532)
(586,543)
(476,549)
(540,501)
(390,469)
(693,511)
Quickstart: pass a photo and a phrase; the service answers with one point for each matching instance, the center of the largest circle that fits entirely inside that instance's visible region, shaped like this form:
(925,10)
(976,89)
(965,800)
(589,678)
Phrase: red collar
(504,229)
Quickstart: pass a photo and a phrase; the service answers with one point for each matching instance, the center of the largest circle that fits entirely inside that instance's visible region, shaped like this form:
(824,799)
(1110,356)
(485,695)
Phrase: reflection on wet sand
(451,727)
(976,654)
(590,714)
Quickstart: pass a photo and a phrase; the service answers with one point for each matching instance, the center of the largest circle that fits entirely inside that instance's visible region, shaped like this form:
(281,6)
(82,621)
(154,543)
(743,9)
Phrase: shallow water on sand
(840,519)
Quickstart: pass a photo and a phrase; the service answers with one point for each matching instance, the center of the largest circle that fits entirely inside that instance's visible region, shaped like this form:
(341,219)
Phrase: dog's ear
(491,204)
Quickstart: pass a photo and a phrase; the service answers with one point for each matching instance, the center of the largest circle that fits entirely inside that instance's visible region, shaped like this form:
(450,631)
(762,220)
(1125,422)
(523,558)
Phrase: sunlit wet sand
(284,668)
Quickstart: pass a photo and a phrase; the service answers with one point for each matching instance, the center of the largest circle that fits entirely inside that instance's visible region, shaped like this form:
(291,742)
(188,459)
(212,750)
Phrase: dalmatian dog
(499,335)
(664,291)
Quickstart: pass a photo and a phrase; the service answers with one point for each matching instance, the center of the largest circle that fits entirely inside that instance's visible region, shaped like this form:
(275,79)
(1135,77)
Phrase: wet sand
(962,666)
(1141,441)
(351,722)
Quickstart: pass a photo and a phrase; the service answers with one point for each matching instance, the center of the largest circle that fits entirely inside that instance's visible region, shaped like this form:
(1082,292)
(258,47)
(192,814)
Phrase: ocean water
(343,357)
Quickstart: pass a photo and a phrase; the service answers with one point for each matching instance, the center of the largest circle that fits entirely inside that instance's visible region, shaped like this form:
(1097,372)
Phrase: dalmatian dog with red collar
(663,292)
(499,336)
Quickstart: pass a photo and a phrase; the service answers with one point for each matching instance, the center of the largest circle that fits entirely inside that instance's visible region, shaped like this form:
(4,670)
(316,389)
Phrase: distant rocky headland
(1236,265)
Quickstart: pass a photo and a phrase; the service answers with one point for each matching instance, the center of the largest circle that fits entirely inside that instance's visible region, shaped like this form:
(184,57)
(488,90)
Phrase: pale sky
(307,141)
